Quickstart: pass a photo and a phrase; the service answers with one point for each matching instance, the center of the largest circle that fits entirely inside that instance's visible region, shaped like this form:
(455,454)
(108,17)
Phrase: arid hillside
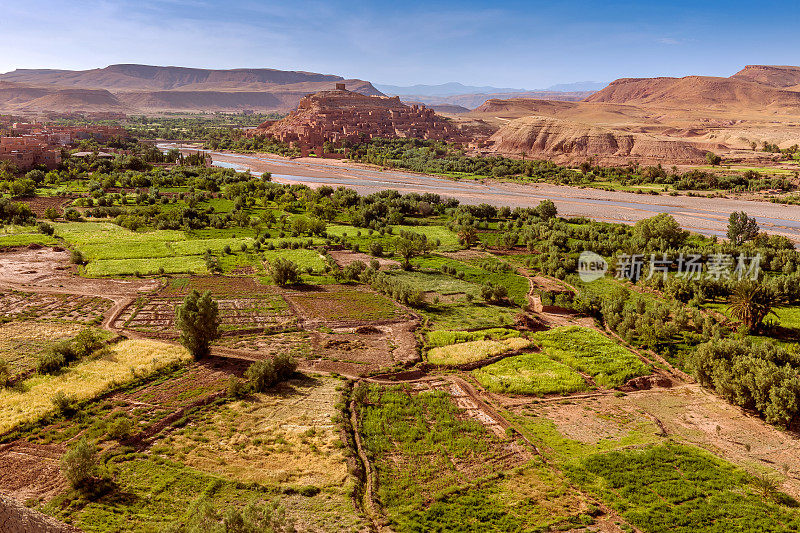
(148,89)
(567,141)
(776,76)
(665,120)
(699,92)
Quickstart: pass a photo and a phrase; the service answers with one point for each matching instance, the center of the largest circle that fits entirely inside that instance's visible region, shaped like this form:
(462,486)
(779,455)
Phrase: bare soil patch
(267,345)
(63,307)
(40,204)
(340,305)
(49,270)
(156,315)
(31,471)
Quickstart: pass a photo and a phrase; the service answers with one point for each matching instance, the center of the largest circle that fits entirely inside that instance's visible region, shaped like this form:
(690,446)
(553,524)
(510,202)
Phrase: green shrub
(77,257)
(5,373)
(262,375)
(50,362)
(120,428)
(79,464)
(64,403)
(284,272)
(85,343)
(237,388)
(45,228)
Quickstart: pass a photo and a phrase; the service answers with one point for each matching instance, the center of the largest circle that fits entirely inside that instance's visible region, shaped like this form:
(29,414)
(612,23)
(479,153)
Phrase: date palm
(751,302)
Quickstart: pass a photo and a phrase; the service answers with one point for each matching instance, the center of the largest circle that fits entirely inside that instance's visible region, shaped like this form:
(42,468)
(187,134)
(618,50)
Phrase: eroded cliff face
(568,141)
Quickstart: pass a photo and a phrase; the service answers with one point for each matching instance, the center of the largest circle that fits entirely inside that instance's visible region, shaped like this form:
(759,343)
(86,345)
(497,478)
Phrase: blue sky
(507,44)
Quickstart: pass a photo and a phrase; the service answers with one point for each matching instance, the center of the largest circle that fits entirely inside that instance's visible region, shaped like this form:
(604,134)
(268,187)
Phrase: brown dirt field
(49,270)
(31,470)
(21,305)
(220,286)
(196,381)
(266,345)
(156,315)
(369,351)
(341,306)
(40,204)
(465,255)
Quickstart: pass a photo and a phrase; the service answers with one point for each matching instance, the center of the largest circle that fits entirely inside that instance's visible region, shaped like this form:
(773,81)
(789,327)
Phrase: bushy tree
(198,320)
(659,232)
(467,235)
(713,159)
(284,272)
(546,210)
(79,464)
(741,228)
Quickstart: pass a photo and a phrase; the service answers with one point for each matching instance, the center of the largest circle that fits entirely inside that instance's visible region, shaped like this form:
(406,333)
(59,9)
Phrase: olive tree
(198,320)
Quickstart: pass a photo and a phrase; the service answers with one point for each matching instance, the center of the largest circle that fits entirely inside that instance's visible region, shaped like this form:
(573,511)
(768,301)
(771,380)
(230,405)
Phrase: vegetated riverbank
(696,213)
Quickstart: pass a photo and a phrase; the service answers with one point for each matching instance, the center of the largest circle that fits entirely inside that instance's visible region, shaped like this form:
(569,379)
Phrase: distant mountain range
(454,88)
(149,89)
(471,96)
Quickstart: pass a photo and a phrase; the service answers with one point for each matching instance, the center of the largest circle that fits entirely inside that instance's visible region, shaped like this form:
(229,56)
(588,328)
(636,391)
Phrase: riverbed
(708,216)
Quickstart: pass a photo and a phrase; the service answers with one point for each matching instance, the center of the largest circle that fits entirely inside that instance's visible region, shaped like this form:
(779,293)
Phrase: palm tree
(751,302)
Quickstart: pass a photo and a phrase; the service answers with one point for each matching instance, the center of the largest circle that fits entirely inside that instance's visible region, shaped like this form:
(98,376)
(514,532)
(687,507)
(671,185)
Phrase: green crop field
(589,351)
(186,264)
(480,272)
(683,490)
(469,352)
(445,338)
(301,257)
(423,449)
(532,373)
(447,239)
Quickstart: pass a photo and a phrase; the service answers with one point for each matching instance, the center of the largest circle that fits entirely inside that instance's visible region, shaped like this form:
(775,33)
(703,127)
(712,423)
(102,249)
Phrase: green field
(532,373)
(445,338)
(587,350)
(684,490)
(469,352)
(186,264)
(468,315)
(112,250)
(301,257)
(436,282)
(436,472)
(447,239)
(475,273)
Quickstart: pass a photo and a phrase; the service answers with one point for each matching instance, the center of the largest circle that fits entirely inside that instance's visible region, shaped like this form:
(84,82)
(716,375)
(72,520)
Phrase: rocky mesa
(340,115)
